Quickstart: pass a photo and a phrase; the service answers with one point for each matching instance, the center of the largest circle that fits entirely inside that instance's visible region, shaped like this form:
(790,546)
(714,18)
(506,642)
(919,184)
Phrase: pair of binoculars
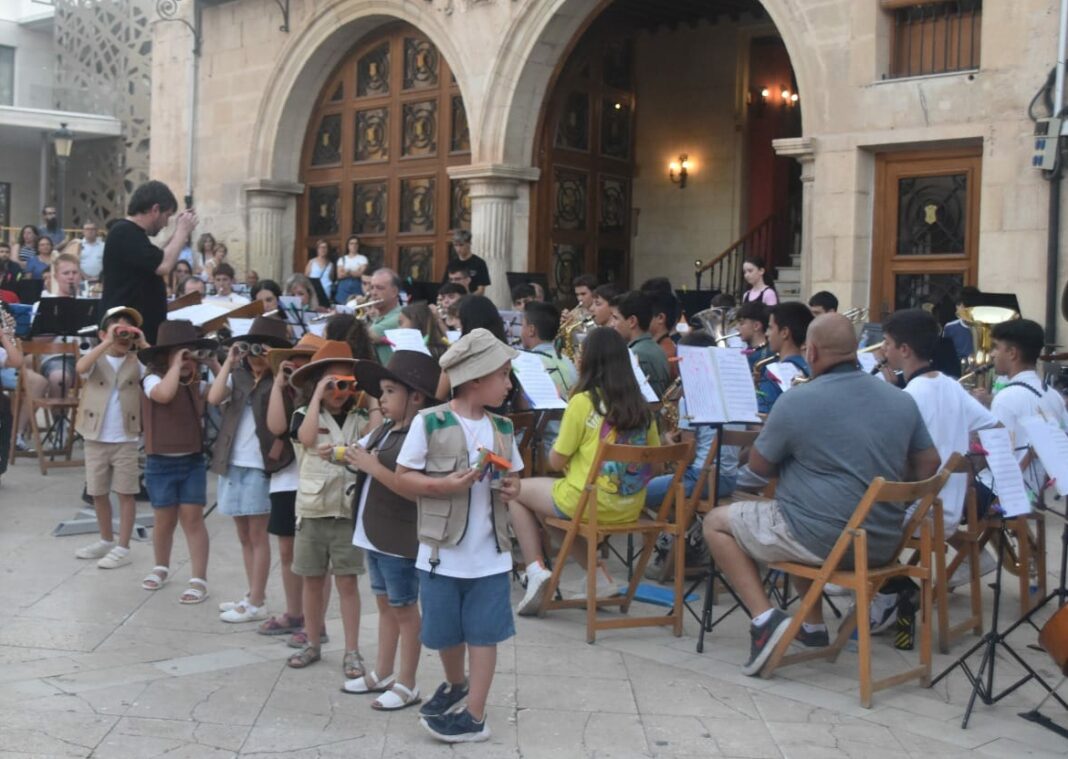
(342,384)
(201,354)
(251,349)
(125,335)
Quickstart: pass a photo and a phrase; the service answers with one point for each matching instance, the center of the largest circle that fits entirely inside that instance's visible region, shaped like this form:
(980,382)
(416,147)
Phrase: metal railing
(775,240)
(934,36)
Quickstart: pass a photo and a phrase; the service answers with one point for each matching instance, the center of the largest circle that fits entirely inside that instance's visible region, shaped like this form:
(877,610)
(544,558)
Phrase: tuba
(718,322)
(981,321)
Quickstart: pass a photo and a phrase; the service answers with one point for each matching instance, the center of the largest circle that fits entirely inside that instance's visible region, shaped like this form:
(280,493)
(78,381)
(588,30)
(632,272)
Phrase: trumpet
(974,376)
(873,348)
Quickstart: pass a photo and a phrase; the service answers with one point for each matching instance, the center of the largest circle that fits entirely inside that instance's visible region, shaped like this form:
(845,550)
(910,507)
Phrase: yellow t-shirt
(580,436)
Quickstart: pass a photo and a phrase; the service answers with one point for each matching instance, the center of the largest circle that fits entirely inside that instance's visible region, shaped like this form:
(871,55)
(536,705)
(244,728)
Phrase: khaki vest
(323,483)
(175,428)
(277,452)
(388,519)
(442,521)
(96,391)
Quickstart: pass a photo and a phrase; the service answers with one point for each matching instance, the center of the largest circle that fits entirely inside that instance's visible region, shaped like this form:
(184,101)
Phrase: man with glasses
(385,287)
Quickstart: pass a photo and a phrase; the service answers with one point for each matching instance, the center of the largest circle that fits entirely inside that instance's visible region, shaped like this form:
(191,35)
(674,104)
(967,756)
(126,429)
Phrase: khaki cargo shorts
(760,529)
(325,542)
(111,467)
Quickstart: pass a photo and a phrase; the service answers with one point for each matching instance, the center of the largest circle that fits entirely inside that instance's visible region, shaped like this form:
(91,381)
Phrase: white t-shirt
(1011,405)
(246,449)
(951,415)
(477,554)
(112,429)
(352,263)
(92,258)
(287,479)
(359,537)
(233,298)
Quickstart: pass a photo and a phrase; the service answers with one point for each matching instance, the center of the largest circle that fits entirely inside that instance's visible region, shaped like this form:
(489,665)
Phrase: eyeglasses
(251,349)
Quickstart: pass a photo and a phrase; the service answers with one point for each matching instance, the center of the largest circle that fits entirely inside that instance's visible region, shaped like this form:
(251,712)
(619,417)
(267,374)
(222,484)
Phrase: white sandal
(397,697)
(193,594)
(157,578)
(369,683)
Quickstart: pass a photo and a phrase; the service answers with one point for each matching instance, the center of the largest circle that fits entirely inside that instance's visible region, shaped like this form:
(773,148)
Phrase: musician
(752,328)
(385,287)
(601,308)
(449,295)
(522,294)
(826,441)
(223,279)
(787,329)
(66,276)
(539,328)
(190,285)
(632,313)
(583,286)
(823,302)
(459,273)
(956,330)
(665,311)
(478,272)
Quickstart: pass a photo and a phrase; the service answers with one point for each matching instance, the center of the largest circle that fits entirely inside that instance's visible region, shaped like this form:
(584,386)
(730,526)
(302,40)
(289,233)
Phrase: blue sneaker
(444,700)
(458,727)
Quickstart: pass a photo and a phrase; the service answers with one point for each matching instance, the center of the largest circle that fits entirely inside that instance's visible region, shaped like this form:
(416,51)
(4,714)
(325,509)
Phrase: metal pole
(61,189)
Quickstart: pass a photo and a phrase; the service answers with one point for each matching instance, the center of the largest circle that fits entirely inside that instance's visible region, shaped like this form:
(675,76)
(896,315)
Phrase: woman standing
(219,251)
(350,268)
(27,243)
(42,259)
(204,251)
(321,267)
(759,279)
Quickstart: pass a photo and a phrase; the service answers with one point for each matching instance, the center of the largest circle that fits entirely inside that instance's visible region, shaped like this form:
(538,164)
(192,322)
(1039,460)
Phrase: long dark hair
(347,328)
(422,318)
(22,235)
(606,374)
(768,278)
(478,311)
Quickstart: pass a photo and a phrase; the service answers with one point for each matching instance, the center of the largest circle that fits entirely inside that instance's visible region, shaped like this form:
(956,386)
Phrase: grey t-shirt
(830,438)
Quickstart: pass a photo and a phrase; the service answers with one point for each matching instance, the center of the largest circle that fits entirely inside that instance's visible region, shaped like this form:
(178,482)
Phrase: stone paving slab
(92,665)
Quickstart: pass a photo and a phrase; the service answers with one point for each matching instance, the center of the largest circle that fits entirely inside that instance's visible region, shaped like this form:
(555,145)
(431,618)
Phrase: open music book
(406,339)
(536,383)
(643,382)
(718,385)
(1008,479)
(1051,446)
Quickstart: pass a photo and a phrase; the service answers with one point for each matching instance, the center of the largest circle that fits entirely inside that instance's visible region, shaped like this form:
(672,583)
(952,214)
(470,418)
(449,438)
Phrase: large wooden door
(586,156)
(926,228)
(387,124)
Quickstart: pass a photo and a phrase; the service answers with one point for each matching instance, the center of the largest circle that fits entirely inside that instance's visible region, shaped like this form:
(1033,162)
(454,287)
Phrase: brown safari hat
(264,329)
(414,370)
(178,333)
(306,346)
(332,352)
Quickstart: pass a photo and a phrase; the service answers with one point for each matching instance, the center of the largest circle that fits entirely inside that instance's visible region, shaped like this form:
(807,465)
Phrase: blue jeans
(476,611)
(393,577)
(172,480)
(658,486)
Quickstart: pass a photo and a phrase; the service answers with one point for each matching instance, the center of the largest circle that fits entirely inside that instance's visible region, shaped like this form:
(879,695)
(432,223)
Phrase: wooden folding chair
(866,581)
(523,427)
(58,411)
(586,525)
(1024,547)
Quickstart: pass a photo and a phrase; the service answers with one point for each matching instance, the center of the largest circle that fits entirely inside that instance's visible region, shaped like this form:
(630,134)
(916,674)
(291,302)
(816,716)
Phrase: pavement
(91,665)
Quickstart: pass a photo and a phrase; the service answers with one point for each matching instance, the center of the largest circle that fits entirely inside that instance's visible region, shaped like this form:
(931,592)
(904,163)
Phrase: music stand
(62,317)
(528,277)
(421,290)
(320,292)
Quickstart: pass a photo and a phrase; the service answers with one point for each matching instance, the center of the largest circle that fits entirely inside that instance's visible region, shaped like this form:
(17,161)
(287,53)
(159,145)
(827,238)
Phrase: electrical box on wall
(1047,139)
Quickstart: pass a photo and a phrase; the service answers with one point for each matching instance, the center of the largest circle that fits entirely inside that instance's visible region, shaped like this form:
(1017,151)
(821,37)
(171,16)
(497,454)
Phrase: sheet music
(643,382)
(1051,446)
(240,327)
(704,404)
(513,324)
(867,361)
(200,314)
(452,335)
(407,339)
(317,328)
(783,373)
(736,343)
(1008,479)
(536,383)
(735,385)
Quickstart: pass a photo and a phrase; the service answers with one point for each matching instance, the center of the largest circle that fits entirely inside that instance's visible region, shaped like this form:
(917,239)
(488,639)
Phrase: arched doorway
(386,126)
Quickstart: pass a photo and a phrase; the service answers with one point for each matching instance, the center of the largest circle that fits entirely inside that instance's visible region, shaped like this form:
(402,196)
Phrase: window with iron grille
(933,36)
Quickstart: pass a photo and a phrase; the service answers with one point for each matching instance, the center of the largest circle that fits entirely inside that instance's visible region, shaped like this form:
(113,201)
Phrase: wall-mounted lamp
(679,170)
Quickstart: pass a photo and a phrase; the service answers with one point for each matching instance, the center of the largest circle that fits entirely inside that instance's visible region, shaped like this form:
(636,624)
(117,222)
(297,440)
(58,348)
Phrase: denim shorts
(244,492)
(171,480)
(476,611)
(393,577)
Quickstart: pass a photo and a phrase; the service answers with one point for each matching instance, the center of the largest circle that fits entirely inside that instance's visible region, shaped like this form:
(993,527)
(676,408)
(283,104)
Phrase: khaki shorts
(326,543)
(111,467)
(761,531)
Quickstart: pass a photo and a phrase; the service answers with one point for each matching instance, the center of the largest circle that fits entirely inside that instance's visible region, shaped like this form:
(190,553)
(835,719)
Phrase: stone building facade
(867,140)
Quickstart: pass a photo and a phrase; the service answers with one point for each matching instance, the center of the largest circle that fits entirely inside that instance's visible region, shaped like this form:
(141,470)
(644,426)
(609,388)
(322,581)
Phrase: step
(787,274)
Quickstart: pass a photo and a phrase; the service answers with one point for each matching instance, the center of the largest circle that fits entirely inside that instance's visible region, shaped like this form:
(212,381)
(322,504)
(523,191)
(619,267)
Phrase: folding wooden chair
(1023,548)
(586,525)
(523,426)
(59,412)
(866,581)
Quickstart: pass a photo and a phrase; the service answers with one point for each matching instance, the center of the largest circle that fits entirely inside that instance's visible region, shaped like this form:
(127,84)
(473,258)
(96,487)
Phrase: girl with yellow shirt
(606,405)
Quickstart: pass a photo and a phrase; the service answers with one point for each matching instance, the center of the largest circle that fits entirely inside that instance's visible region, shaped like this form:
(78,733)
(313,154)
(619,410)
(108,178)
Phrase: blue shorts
(244,492)
(476,611)
(393,577)
(9,378)
(171,480)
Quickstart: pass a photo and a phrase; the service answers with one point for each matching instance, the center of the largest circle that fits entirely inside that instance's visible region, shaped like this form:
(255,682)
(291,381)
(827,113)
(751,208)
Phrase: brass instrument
(758,367)
(569,337)
(718,322)
(355,310)
(858,314)
(981,321)
(669,406)
(873,348)
(973,377)
(7,321)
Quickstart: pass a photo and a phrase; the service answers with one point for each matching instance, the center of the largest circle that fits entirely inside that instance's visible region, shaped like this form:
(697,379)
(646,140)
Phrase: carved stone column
(494,190)
(803,150)
(268,204)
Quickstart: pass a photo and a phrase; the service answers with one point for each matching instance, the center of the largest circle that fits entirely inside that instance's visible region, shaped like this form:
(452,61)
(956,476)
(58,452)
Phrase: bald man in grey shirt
(825,441)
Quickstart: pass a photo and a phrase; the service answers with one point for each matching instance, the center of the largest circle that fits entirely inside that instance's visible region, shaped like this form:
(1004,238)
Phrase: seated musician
(583,286)
(825,440)
(752,328)
(522,294)
(665,314)
(823,302)
(10,355)
(601,307)
(540,323)
(632,312)
(606,404)
(787,327)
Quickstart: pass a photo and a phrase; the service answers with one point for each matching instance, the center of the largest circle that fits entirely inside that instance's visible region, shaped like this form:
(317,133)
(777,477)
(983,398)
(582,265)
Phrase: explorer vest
(277,452)
(175,428)
(388,519)
(97,390)
(321,492)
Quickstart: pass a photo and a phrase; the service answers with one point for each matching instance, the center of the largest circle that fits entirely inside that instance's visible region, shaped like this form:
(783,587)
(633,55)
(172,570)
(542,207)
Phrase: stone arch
(541,37)
(307,60)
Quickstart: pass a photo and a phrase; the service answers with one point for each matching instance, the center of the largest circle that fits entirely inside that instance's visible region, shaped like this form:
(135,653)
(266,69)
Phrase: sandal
(397,697)
(352,665)
(157,578)
(305,657)
(299,639)
(369,683)
(281,625)
(194,594)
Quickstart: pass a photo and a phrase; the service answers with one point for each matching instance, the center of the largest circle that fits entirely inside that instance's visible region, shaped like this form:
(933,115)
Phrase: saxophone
(669,406)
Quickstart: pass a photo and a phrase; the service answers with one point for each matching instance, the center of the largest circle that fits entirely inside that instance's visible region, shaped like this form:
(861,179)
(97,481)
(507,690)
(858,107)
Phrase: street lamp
(63,142)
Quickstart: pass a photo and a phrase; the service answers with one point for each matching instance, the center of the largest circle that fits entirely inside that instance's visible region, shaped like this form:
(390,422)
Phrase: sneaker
(963,575)
(659,570)
(815,639)
(116,557)
(836,590)
(299,639)
(444,700)
(245,612)
(231,605)
(459,727)
(763,640)
(537,581)
(883,620)
(97,550)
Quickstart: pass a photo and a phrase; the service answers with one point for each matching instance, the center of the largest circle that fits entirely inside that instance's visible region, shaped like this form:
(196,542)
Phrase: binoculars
(251,349)
(200,354)
(125,335)
(342,384)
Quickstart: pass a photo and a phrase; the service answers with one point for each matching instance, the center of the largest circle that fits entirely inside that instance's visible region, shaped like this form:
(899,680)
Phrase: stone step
(788,274)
